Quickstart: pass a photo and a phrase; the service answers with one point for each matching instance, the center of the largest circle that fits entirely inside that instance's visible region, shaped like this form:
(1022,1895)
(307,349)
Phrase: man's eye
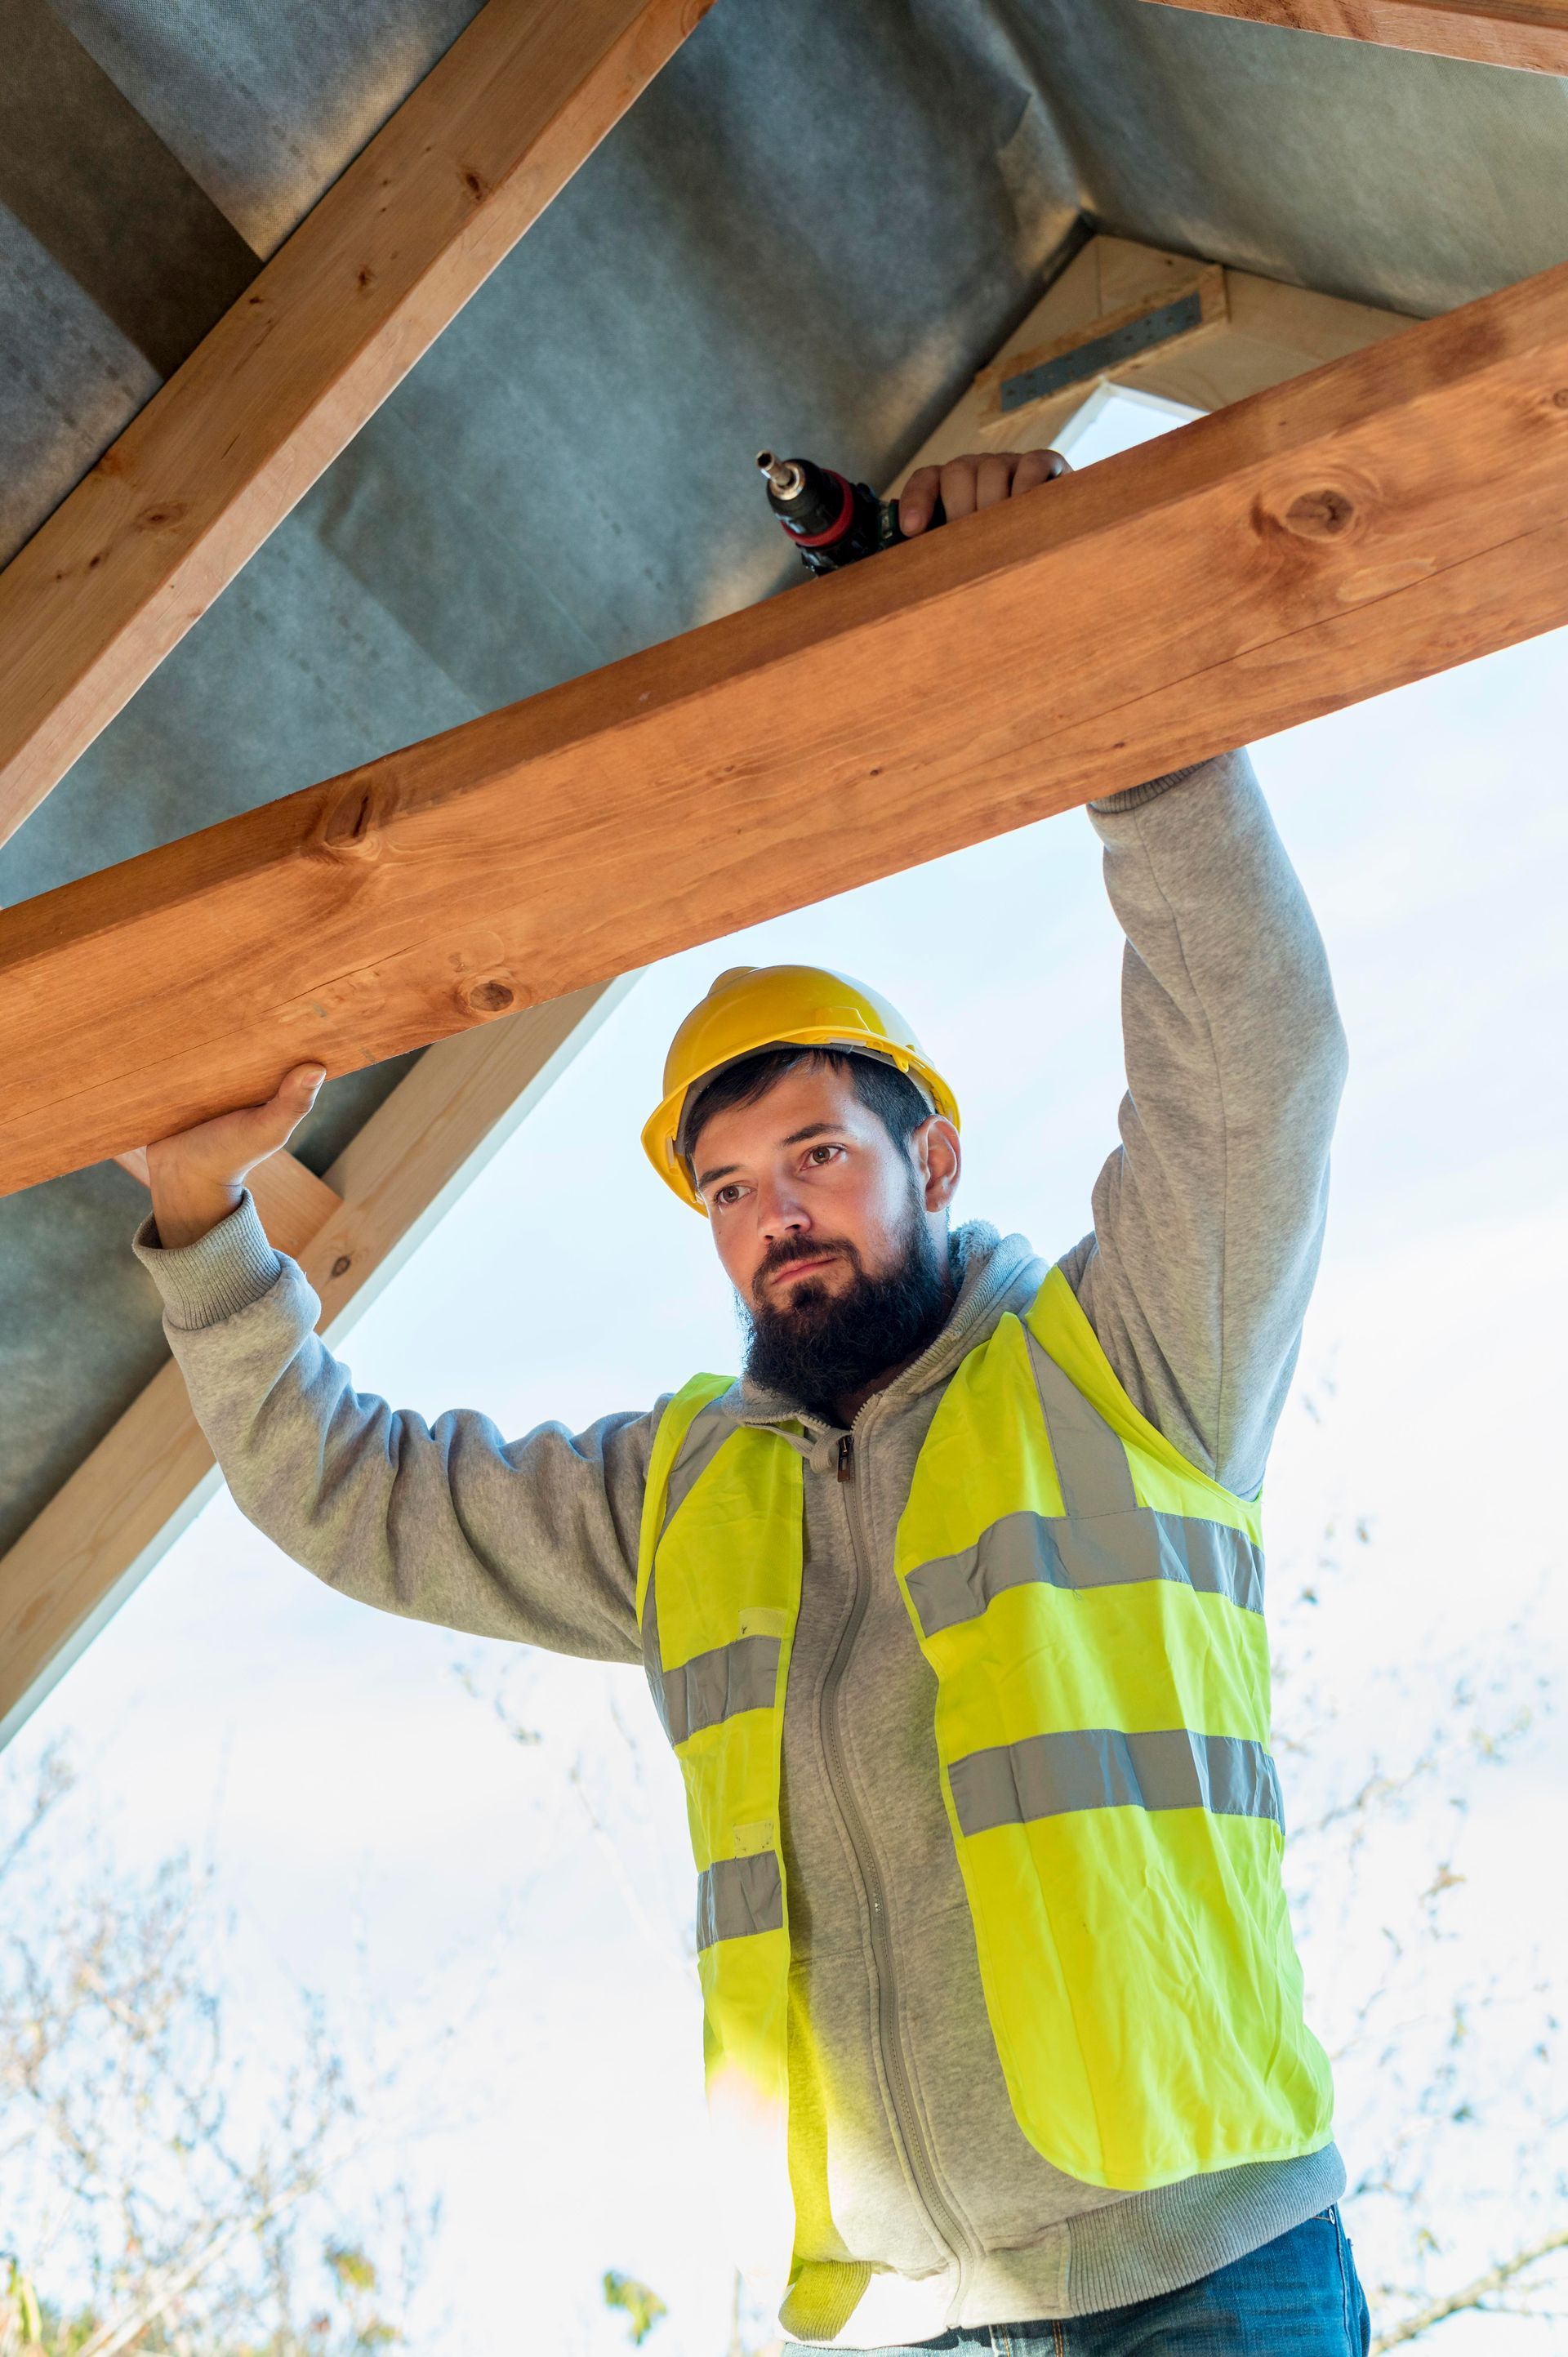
(730,1194)
(820,1154)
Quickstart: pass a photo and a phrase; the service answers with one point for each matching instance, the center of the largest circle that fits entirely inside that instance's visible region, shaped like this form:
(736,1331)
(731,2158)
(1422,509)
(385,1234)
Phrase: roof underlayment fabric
(810,230)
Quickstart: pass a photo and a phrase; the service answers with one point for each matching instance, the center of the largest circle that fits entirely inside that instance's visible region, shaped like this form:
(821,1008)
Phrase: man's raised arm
(534,1539)
(1208,1218)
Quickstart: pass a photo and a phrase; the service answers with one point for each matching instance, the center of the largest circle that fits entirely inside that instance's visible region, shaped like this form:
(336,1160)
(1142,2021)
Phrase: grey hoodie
(1207,1225)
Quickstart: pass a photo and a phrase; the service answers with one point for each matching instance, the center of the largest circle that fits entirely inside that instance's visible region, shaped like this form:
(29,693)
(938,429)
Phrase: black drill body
(832,521)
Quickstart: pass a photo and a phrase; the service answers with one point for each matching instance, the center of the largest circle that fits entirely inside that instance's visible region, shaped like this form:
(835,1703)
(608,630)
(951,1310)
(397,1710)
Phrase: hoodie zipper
(948,2227)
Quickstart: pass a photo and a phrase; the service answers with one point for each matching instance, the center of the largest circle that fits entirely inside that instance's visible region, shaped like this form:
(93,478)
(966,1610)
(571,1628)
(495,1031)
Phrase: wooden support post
(1381,517)
(98,1537)
(1528,33)
(191,488)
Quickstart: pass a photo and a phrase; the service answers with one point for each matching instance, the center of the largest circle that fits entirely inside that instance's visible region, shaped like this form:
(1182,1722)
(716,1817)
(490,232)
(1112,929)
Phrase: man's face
(807,1193)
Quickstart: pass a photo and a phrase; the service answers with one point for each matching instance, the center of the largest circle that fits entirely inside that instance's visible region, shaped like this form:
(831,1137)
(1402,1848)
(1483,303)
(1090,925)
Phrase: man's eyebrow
(706,1177)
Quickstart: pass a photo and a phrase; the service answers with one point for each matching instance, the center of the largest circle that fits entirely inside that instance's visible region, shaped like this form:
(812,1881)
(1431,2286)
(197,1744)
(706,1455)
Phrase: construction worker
(950,1606)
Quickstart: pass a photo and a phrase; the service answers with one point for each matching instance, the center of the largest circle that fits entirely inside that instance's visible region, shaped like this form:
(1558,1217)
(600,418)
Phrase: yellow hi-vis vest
(1090,1604)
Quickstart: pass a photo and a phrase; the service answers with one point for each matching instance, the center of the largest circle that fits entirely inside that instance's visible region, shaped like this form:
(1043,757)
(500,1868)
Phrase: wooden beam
(167,517)
(98,1537)
(1381,517)
(1528,33)
(291,1201)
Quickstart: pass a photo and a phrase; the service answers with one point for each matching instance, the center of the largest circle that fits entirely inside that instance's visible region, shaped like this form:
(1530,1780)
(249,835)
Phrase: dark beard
(825,1346)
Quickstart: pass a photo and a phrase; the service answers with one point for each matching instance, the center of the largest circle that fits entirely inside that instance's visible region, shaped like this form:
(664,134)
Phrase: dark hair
(881,1087)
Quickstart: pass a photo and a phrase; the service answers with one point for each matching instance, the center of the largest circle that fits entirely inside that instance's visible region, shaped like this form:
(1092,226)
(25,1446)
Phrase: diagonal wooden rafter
(1525,33)
(189,492)
(99,1534)
(1390,514)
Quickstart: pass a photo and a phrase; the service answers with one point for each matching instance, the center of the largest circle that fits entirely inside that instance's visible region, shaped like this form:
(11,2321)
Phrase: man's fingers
(917,500)
(276,1121)
(262,1129)
(980,478)
(1038,467)
(971,482)
(994,478)
(958,488)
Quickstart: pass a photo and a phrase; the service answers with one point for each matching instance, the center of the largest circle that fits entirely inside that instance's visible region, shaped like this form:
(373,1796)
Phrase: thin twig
(1472,2295)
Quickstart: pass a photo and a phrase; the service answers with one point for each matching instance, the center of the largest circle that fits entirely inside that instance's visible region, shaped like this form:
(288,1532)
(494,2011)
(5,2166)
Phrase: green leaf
(352,2269)
(20,2288)
(642,2305)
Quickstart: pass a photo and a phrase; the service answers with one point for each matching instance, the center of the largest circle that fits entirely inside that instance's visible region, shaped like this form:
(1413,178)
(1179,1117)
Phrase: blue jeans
(1298,2296)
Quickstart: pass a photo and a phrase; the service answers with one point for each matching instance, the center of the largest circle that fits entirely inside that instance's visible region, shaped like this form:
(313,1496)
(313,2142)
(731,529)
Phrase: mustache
(789,1249)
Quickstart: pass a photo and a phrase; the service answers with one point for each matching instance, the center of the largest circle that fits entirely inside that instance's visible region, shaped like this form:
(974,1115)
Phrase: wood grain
(1383,517)
(98,1536)
(173,510)
(1532,34)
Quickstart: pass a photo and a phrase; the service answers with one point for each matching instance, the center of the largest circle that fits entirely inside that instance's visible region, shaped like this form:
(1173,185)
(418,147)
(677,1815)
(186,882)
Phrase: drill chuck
(833,522)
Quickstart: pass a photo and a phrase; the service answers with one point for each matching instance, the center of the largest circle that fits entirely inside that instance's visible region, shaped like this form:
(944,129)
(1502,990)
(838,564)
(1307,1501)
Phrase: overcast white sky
(384,1840)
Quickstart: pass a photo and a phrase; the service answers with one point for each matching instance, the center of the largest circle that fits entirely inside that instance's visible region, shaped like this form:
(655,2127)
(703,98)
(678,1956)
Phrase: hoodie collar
(993,1272)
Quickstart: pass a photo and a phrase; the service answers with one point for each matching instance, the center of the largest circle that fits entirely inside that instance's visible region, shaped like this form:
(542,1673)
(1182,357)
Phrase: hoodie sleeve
(534,1539)
(1208,1217)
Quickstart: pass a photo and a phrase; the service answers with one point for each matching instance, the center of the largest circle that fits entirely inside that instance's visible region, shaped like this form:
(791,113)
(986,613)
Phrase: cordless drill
(832,521)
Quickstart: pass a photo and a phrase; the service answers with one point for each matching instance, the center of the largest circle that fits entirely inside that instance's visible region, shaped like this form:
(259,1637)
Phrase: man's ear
(938,1159)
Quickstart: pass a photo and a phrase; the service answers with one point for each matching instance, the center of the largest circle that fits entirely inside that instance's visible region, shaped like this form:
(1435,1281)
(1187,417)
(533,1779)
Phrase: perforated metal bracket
(1105,345)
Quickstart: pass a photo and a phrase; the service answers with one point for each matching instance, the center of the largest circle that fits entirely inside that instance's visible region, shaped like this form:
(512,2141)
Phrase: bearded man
(951,1608)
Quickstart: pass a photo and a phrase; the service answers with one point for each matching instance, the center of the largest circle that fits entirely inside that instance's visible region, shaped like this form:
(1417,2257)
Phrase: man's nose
(780,1213)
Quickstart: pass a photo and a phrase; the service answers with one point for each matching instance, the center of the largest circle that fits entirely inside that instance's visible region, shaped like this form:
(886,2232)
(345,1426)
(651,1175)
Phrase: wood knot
(342,1265)
(474,182)
(367,276)
(1320,515)
(350,822)
(159,519)
(1560,398)
(488,998)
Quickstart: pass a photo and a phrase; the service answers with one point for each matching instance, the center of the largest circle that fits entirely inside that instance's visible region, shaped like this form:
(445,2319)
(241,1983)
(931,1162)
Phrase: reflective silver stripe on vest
(705,1435)
(652,1667)
(715,1687)
(1091,1464)
(739,1895)
(1099,1768)
(1112,1552)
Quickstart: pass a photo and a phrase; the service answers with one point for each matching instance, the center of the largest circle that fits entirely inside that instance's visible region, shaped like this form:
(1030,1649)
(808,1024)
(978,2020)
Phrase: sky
(510,1914)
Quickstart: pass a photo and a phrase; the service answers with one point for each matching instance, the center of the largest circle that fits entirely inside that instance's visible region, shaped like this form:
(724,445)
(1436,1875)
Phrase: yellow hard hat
(756,1007)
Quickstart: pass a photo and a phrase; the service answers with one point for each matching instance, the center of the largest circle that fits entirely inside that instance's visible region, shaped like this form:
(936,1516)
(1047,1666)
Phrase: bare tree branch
(1471,2295)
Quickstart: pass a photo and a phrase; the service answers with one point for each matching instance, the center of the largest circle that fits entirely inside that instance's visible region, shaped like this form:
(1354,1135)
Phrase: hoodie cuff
(1133,797)
(217,1275)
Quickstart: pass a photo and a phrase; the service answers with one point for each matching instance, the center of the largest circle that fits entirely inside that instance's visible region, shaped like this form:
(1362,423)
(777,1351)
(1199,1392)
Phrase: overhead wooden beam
(1528,33)
(173,510)
(1387,515)
(98,1537)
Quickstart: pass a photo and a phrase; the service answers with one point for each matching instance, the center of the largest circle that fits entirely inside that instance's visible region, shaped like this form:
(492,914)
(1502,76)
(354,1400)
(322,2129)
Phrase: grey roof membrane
(810,230)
